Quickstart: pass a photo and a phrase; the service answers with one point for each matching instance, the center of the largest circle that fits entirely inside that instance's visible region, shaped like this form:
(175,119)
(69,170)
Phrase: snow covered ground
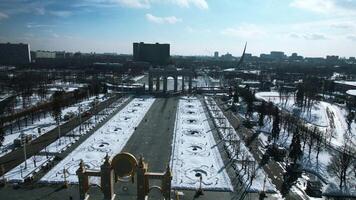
(19,174)
(59,145)
(335,118)
(137,78)
(34,164)
(326,116)
(195,153)
(109,139)
(59,85)
(45,124)
(234,145)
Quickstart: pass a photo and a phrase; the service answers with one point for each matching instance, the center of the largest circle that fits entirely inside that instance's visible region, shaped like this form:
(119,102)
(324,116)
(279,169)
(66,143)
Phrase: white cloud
(320,6)
(245,31)
(162,20)
(133,3)
(35,25)
(61,13)
(3,16)
(201,4)
(352,37)
(333,7)
(314,36)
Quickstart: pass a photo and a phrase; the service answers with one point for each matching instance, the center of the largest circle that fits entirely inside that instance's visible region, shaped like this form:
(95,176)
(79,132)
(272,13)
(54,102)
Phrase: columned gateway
(157,74)
(124,165)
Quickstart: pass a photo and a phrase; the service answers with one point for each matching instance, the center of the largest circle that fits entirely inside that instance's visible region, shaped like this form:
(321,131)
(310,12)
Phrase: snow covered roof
(229,70)
(351,92)
(352,83)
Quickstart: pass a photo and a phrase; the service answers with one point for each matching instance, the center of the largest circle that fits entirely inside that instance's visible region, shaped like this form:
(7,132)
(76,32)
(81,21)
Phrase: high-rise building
(216,54)
(14,54)
(157,54)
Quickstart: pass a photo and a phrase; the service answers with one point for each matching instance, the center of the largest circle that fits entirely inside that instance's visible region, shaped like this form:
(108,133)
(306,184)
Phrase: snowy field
(327,117)
(23,172)
(35,163)
(234,145)
(335,120)
(195,153)
(44,124)
(109,139)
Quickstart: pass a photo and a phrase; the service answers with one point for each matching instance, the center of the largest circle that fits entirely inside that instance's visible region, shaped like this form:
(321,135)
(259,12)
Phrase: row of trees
(306,139)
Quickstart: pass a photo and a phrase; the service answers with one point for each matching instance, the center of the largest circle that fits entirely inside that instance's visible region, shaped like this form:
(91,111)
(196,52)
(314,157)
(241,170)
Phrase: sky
(312,28)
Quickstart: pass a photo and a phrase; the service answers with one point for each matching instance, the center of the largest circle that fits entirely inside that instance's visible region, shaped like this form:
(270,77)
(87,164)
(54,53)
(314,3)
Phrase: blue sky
(192,27)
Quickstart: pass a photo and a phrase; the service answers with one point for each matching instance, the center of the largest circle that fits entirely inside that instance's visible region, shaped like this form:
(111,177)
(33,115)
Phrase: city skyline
(312,28)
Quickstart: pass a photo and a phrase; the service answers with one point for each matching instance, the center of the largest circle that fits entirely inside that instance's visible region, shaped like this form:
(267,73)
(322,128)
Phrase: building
(60,54)
(157,54)
(295,56)
(227,57)
(332,59)
(277,55)
(45,54)
(216,54)
(14,54)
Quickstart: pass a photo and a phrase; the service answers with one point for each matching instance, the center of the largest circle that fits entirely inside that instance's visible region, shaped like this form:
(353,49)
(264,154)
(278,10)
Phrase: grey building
(14,54)
(278,55)
(157,54)
(216,54)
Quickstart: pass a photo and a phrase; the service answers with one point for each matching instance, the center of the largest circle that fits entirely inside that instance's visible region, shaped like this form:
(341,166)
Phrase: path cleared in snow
(109,139)
(195,153)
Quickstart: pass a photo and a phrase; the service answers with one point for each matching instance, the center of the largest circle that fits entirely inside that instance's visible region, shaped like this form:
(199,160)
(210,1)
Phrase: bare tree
(341,165)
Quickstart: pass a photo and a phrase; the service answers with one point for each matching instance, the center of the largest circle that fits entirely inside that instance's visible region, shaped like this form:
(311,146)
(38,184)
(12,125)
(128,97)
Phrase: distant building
(14,54)
(316,60)
(332,58)
(60,54)
(277,55)
(158,54)
(265,56)
(216,54)
(248,56)
(45,54)
(295,56)
(227,57)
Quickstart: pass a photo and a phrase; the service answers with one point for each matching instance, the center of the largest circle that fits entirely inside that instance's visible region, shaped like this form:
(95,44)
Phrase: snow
(350,83)
(109,139)
(63,143)
(326,116)
(34,164)
(195,153)
(59,145)
(233,144)
(137,78)
(336,127)
(45,124)
(4,96)
(351,92)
